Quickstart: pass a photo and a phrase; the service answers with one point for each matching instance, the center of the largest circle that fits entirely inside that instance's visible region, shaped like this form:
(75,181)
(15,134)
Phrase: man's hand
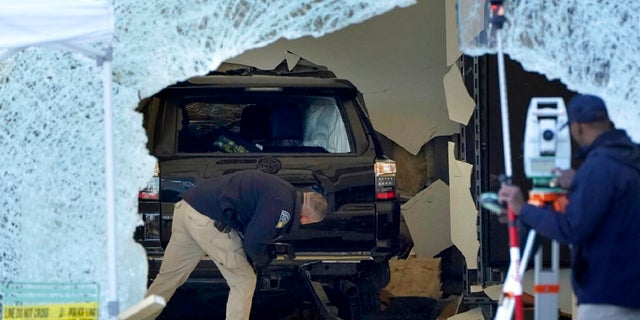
(512,196)
(565,177)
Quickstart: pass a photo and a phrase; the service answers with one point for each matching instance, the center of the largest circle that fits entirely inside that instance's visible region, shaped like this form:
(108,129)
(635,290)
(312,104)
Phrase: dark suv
(303,125)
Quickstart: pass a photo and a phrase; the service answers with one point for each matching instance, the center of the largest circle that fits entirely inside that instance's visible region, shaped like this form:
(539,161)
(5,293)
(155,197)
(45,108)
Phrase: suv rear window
(262,123)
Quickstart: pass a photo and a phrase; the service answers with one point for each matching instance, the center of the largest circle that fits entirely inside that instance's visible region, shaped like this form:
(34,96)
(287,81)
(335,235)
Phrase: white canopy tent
(84,26)
(71,24)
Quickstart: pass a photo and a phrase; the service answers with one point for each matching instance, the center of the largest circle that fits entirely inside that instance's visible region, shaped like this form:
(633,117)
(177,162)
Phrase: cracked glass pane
(590,45)
(53,225)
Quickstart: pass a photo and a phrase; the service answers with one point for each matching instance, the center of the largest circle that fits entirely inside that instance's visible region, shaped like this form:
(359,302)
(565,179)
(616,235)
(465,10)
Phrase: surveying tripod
(546,280)
(546,147)
(546,286)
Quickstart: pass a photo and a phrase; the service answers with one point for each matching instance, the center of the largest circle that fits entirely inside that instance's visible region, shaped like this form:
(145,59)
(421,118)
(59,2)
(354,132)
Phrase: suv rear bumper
(281,266)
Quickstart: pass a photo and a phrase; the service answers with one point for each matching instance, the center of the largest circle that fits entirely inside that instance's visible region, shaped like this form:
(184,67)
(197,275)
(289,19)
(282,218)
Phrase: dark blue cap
(586,108)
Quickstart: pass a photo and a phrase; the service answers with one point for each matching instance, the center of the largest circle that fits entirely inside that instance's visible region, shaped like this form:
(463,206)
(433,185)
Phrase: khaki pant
(606,311)
(192,236)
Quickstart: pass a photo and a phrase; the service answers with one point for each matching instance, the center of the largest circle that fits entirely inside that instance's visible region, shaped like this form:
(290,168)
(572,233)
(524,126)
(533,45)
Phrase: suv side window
(296,124)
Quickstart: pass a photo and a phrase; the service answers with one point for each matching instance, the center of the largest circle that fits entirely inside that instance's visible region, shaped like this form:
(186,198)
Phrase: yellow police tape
(62,311)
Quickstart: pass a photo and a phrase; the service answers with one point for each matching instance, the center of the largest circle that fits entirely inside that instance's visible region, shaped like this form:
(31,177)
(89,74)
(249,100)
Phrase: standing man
(233,218)
(602,219)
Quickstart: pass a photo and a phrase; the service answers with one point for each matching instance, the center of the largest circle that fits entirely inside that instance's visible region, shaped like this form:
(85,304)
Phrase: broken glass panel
(590,45)
(52,226)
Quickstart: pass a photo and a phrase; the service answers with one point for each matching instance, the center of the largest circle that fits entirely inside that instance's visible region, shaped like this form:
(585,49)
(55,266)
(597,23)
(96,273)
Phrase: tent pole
(113,304)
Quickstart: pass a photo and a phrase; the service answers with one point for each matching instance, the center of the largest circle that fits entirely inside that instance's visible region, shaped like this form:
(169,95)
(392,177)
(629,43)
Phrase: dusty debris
(415,277)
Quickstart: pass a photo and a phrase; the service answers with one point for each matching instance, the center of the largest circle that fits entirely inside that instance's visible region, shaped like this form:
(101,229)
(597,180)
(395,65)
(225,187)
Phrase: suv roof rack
(303,68)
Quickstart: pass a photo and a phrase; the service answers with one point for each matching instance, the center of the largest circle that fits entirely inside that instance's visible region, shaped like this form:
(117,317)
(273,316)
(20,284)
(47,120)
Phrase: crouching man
(233,219)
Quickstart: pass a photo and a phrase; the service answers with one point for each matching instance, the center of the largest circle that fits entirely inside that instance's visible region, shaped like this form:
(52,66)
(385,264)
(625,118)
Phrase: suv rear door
(311,132)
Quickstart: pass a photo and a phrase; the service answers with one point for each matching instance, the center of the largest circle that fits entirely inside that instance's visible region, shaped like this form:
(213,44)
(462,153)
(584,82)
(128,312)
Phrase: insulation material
(427,216)
(52,226)
(590,45)
(412,173)
(463,210)
(415,277)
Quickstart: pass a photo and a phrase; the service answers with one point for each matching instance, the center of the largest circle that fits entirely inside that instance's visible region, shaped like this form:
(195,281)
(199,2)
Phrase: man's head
(314,208)
(588,118)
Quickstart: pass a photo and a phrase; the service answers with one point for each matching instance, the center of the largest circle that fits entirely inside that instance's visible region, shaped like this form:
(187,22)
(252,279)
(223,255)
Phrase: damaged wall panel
(459,104)
(427,216)
(398,60)
(463,209)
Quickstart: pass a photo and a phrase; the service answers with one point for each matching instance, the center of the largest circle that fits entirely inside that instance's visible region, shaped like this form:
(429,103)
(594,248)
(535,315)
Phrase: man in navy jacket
(602,219)
(233,218)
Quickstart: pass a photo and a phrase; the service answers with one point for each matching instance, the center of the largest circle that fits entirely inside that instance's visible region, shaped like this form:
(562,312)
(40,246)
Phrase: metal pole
(504,108)
(112,305)
(512,286)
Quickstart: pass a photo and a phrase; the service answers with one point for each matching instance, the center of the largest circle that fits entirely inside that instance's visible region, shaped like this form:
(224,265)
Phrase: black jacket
(260,206)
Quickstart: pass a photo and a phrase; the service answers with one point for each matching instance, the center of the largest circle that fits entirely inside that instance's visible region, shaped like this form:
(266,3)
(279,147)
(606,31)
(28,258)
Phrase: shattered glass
(590,45)
(53,222)
(53,225)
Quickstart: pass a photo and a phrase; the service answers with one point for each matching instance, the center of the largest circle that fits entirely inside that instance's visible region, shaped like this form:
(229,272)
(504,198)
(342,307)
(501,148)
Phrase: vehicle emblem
(269,165)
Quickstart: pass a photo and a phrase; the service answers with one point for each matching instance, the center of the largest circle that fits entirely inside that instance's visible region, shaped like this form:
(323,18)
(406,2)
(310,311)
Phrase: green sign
(50,301)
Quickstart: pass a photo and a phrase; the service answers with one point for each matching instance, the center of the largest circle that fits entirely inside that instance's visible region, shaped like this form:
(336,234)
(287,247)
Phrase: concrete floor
(199,301)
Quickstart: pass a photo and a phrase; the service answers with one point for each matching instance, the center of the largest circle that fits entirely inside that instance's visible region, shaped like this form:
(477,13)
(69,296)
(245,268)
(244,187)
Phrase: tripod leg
(507,304)
(531,246)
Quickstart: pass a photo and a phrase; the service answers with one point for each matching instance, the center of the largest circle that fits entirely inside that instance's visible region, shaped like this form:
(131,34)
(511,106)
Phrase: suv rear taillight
(152,190)
(385,171)
(149,209)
